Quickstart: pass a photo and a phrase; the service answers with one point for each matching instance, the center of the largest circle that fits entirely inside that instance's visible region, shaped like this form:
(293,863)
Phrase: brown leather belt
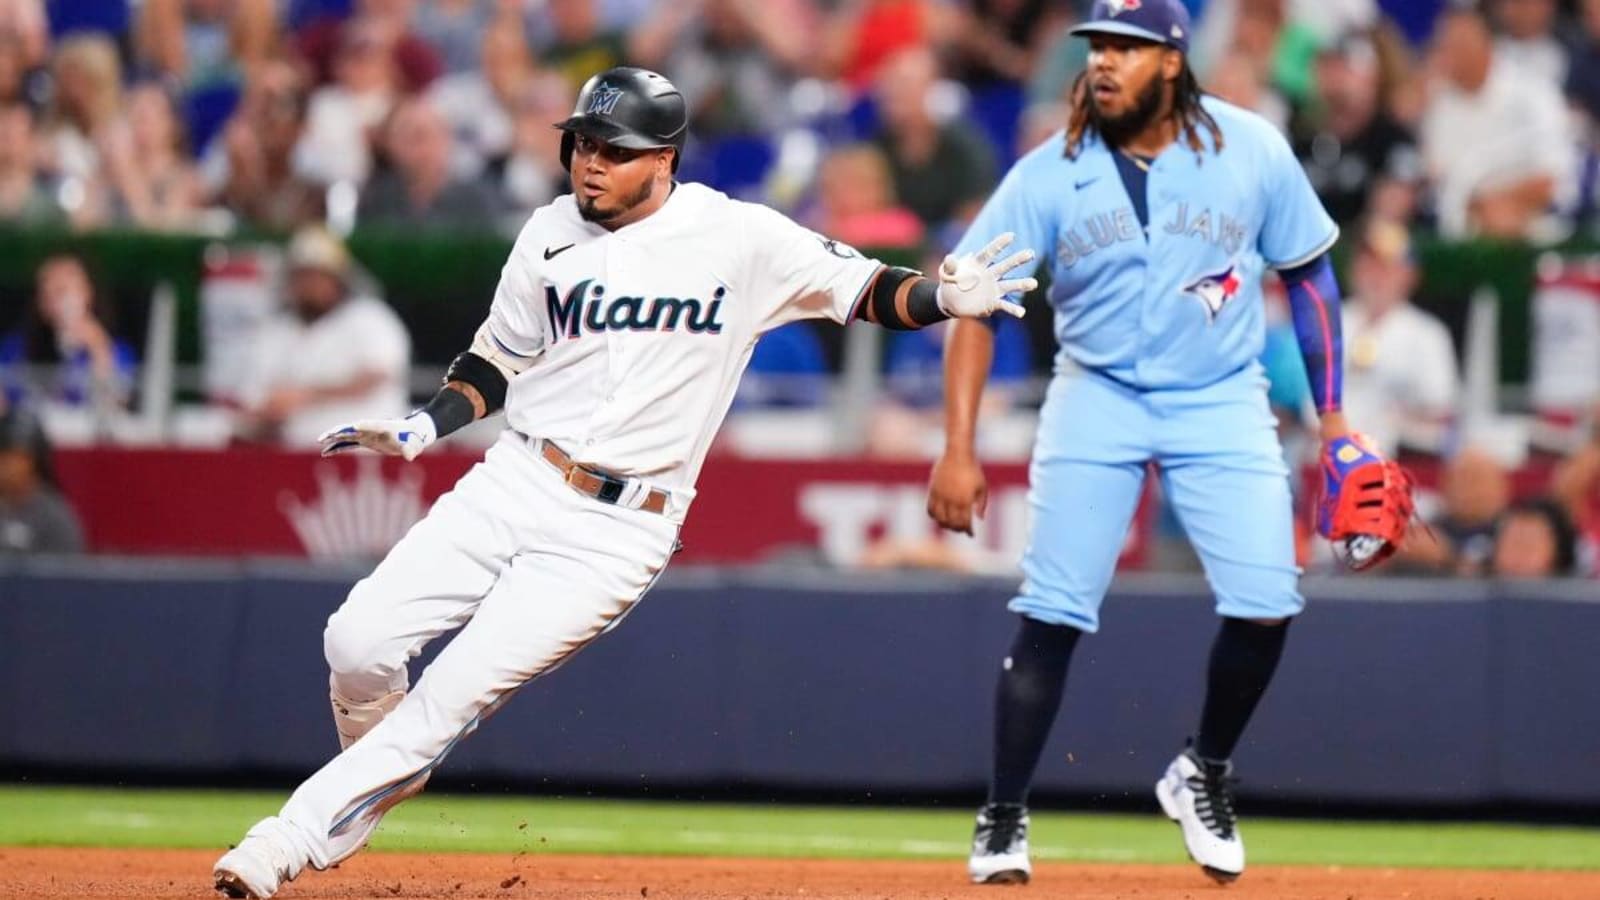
(600,485)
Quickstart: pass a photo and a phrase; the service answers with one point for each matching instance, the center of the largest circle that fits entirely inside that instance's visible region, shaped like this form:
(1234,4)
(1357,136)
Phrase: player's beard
(593,212)
(1118,130)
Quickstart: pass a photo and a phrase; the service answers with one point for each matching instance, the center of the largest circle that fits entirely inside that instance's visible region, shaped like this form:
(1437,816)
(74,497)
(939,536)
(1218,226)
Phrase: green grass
(211,819)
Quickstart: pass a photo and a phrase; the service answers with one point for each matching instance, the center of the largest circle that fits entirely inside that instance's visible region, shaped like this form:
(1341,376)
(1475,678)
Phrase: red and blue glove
(1366,504)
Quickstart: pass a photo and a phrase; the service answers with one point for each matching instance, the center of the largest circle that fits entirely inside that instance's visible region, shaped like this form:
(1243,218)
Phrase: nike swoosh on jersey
(1080,185)
(552,254)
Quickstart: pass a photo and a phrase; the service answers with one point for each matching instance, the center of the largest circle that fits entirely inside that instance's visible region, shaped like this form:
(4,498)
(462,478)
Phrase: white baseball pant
(533,568)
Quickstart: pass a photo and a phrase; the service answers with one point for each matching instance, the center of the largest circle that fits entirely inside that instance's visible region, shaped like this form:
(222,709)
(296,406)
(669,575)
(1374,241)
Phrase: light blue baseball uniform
(1159,330)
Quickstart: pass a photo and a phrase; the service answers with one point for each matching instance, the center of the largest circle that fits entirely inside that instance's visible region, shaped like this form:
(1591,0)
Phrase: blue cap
(1161,21)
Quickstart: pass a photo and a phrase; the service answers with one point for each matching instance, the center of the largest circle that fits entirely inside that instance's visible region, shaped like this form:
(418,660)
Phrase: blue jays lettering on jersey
(1176,302)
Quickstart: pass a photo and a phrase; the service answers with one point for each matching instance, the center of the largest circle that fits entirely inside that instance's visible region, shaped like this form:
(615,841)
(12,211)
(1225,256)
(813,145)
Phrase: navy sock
(1243,658)
(1026,702)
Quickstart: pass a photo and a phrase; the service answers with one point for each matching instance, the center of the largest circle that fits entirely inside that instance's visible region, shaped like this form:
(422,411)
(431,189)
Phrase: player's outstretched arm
(969,287)
(473,388)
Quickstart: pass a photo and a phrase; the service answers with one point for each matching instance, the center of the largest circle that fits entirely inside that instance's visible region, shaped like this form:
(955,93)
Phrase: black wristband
(902,299)
(450,411)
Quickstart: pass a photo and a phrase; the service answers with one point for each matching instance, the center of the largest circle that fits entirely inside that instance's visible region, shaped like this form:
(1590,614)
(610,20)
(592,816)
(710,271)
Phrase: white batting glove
(969,287)
(406,437)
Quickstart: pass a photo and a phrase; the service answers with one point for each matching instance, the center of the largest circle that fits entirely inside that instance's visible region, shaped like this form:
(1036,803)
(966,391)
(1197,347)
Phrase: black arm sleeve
(452,410)
(481,374)
(901,299)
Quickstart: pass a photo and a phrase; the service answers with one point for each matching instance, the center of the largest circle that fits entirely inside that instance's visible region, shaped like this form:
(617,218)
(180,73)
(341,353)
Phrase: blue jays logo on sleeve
(1215,290)
(1118,7)
(603,100)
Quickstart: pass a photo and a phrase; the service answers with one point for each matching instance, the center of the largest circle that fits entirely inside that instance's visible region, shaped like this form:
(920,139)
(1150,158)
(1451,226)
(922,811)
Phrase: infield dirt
(78,874)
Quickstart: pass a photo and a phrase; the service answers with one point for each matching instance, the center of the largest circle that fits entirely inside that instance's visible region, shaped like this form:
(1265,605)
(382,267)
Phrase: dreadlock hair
(1186,94)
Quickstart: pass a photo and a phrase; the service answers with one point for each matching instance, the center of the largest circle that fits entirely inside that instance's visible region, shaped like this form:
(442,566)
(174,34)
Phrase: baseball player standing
(1159,209)
(622,322)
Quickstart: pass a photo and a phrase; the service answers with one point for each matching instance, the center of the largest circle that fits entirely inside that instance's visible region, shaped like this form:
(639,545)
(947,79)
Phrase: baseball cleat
(1000,845)
(257,867)
(1198,795)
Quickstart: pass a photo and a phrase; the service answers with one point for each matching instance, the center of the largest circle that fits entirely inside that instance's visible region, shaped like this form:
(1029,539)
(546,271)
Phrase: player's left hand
(1366,506)
(406,437)
(971,286)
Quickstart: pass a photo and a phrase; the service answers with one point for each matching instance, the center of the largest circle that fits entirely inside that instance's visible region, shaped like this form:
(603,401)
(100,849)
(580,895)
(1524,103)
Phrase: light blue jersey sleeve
(1018,205)
(1296,228)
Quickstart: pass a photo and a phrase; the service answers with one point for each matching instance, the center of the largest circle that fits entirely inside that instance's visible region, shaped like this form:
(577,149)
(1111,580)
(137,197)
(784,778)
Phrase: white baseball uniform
(624,349)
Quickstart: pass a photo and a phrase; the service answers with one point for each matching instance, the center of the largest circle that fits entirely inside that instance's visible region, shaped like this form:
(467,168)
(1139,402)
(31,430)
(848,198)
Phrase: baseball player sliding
(616,337)
(1158,209)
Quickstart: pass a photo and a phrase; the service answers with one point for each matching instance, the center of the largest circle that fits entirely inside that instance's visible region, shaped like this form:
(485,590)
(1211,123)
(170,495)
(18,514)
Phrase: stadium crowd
(884,123)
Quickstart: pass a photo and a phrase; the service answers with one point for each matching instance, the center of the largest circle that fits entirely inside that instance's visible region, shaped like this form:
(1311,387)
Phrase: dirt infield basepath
(83,874)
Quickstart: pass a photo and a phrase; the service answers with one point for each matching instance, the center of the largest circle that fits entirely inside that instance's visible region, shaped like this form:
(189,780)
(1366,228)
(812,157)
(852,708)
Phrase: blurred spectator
(1527,39)
(733,59)
(344,116)
(1522,160)
(943,169)
(112,18)
(252,169)
(787,369)
(532,175)
(1460,539)
(332,357)
(21,79)
(908,423)
(27,194)
(34,517)
(1534,539)
(455,29)
(1583,69)
(1000,41)
(158,186)
(1241,80)
(862,36)
(580,43)
(1576,484)
(418,190)
(192,43)
(1401,382)
(856,202)
(478,104)
(83,129)
(1347,140)
(64,352)
(23,23)
(415,64)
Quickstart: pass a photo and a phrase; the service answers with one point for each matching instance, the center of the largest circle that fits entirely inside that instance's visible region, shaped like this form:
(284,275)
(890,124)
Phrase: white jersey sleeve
(514,334)
(794,273)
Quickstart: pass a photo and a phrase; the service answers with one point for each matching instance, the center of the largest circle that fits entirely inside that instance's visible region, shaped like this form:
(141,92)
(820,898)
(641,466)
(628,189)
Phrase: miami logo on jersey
(1215,290)
(585,308)
(1118,7)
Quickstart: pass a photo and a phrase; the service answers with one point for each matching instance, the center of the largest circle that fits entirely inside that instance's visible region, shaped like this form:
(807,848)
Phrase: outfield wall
(1415,692)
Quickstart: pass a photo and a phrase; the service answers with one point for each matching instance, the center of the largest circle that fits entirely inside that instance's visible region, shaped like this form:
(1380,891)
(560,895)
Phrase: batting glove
(970,287)
(406,437)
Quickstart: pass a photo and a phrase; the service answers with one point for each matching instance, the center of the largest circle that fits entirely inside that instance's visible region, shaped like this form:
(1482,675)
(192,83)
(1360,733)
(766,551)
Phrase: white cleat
(1000,845)
(259,866)
(1198,795)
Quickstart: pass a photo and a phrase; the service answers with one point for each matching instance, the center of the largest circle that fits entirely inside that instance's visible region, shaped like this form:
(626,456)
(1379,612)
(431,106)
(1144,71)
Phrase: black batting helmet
(628,107)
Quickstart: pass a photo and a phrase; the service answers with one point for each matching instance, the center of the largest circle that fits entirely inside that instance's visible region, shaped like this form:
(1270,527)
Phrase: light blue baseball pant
(1222,468)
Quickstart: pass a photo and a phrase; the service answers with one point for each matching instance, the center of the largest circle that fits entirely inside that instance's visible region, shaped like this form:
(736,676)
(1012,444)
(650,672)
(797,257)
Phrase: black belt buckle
(610,488)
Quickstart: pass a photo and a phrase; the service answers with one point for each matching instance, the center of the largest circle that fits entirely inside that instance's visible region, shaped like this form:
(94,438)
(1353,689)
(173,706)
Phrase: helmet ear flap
(567,142)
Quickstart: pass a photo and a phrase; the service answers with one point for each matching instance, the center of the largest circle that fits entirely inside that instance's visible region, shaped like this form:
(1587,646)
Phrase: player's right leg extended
(1084,484)
(580,566)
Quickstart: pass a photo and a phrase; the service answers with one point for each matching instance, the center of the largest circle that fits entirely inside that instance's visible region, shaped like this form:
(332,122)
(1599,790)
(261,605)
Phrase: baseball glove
(1366,507)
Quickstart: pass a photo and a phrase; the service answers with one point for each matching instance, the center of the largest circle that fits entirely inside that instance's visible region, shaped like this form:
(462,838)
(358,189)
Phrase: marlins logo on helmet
(603,101)
(1214,290)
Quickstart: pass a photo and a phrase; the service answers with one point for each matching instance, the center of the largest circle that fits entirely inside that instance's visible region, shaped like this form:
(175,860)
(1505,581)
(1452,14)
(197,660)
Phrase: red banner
(273,503)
